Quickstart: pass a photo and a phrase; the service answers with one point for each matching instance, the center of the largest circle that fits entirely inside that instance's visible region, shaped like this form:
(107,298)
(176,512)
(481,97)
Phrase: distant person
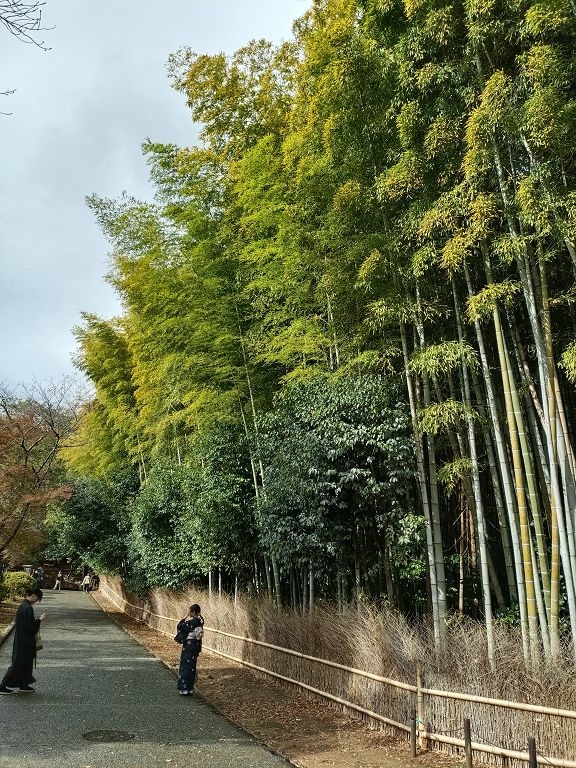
(86,583)
(94,581)
(190,629)
(19,674)
(40,577)
(59,580)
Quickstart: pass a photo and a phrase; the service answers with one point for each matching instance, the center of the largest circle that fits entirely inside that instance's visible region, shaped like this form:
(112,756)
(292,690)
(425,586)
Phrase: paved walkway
(92,677)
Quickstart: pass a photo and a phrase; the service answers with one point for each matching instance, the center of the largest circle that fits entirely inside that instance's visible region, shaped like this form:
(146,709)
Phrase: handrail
(504,703)
(289,651)
(441,738)
(569,713)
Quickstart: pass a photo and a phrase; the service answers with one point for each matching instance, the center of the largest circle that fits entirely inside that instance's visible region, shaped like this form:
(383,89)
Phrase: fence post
(467,742)
(532,759)
(413,721)
(420,708)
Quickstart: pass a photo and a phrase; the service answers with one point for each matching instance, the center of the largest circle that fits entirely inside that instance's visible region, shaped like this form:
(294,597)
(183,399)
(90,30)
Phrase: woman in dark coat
(19,673)
(190,631)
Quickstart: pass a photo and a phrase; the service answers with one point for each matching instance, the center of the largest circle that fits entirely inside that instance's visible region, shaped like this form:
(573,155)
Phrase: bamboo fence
(440,714)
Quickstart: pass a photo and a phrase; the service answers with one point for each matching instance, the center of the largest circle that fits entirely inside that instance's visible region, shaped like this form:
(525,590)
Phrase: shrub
(15,584)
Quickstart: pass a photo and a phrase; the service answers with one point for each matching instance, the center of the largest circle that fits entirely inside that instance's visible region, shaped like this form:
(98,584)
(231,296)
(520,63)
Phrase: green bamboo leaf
(445,416)
(403,180)
(568,361)
(456,251)
(483,303)
(441,359)
(451,473)
(549,17)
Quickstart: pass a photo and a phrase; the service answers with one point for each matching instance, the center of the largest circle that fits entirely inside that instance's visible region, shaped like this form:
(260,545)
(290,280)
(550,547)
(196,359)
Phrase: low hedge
(15,584)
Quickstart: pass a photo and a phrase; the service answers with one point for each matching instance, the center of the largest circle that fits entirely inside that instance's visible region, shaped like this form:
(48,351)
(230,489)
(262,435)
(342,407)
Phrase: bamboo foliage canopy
(348,332)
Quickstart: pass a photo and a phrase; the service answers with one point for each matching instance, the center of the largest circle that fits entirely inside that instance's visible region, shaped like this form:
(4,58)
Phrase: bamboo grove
(349,334)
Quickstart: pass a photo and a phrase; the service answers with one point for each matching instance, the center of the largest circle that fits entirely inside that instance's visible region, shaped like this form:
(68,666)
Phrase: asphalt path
(95,682)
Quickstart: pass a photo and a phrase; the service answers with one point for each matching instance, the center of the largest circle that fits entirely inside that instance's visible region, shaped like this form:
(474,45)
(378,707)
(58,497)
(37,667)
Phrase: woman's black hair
(195,608)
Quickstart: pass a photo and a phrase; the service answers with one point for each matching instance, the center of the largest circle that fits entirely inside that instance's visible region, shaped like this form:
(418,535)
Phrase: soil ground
(7,611)
(309,733)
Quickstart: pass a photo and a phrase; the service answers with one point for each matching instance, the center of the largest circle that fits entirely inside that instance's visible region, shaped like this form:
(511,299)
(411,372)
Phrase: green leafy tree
(336,455)
(219,521)
(93,526)
(160,555)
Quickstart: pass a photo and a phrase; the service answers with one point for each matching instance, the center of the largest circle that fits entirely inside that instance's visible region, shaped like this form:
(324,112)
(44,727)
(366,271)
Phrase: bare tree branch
(7,93)
(33,425)
(23,20)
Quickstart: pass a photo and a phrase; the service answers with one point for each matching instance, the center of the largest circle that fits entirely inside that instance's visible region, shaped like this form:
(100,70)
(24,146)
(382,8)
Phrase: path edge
(197,694)
(4,636)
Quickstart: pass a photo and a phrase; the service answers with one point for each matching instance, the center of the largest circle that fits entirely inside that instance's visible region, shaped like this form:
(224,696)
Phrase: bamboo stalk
(434,501)
(496,471)
(421,473)
(510,497)
(513,419)
(480,520)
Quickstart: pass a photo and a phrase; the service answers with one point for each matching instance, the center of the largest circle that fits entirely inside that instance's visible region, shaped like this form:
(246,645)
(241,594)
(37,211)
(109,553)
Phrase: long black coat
(25,634)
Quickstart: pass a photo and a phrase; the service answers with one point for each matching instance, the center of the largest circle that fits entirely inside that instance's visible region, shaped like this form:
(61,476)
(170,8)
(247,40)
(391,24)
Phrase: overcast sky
(79,116)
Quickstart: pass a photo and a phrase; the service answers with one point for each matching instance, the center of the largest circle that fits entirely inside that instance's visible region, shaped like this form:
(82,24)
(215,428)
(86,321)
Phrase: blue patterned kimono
(191,648)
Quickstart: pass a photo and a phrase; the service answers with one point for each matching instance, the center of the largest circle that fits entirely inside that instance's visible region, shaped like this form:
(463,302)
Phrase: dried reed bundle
(381,642)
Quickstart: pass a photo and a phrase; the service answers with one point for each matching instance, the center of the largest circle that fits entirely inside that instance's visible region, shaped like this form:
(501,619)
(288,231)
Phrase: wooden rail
(418,690)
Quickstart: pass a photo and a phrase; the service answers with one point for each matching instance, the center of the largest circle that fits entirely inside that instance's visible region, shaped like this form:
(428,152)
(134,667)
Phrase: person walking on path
(19,674)
(39,574)
(59,580)
(189,632)
(86,583)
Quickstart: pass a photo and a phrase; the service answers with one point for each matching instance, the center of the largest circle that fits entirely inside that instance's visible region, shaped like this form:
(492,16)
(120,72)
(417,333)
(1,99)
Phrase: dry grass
(7,612)
(384,644)
(307,732)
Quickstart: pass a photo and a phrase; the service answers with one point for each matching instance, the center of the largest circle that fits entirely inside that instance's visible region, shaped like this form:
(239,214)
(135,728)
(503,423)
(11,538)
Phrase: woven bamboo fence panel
(500,728)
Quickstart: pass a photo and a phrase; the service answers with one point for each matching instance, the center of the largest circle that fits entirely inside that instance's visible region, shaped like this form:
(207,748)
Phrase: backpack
(181,633)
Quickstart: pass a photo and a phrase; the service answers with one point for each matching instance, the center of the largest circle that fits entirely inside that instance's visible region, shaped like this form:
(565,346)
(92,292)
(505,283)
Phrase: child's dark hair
(195,608)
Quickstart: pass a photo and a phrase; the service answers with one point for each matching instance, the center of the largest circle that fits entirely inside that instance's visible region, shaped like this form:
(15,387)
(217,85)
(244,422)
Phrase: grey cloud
(81,113)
